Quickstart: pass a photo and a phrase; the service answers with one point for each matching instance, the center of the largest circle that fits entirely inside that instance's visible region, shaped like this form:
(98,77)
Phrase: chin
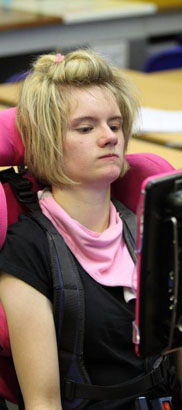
(114,174)
(109,179)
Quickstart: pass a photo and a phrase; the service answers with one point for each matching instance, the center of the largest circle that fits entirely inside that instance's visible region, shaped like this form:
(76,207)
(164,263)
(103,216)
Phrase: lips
(109,156)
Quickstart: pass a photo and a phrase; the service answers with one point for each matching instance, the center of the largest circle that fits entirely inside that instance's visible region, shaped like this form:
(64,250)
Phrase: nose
(107,137)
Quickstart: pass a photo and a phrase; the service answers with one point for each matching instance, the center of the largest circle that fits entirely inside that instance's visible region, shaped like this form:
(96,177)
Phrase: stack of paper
(154,120)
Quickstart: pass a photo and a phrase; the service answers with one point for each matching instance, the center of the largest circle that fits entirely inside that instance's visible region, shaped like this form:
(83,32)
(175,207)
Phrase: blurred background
(126,32)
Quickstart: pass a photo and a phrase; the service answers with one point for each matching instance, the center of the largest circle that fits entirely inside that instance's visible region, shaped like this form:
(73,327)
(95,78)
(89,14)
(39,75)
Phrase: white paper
(154,120)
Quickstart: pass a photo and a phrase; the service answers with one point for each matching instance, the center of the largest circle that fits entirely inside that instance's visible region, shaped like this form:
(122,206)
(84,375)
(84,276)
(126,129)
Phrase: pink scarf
(104,256)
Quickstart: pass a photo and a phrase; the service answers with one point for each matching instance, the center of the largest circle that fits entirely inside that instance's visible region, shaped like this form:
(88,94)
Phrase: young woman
(75,117)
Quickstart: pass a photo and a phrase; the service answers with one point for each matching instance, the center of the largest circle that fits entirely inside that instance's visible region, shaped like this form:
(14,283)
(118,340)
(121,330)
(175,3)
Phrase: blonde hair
(44,105)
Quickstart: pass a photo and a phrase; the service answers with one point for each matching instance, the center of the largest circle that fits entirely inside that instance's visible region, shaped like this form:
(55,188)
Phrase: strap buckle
(69,389)
(21,186)
(160,369)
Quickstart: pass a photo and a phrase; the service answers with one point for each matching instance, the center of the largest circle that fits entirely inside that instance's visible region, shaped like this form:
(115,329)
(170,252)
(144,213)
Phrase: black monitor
(158,321)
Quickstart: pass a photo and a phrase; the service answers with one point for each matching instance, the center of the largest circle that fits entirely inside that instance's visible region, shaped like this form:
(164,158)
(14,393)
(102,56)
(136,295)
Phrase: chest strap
(135,387)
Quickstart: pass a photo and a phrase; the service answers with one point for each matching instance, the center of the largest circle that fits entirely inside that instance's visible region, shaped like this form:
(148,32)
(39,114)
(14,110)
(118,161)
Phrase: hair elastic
(59,58)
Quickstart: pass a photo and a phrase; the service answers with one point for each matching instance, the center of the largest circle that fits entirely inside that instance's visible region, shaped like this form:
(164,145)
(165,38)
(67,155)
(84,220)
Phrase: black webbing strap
(135,387)
(129,227)
(22,187)
(3,405)
(69,316)
(73,318)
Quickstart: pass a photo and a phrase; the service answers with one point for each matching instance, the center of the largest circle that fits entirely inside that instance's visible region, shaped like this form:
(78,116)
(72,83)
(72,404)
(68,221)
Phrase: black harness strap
(135,387)
(69,306)
(3,405)
(129,227)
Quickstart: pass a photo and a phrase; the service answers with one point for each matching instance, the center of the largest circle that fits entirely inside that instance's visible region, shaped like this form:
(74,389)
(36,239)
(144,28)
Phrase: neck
(88,207)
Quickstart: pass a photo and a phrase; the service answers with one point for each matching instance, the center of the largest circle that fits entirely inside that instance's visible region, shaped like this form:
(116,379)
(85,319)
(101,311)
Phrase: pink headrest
(4,341)
(11,146)
(142,165)
(3,215)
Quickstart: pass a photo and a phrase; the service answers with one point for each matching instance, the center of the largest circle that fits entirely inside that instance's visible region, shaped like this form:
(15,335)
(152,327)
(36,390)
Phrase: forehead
(92,99)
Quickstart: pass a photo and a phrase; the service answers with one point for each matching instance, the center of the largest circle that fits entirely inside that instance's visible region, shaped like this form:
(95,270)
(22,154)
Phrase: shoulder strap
(69,306)
(129,227)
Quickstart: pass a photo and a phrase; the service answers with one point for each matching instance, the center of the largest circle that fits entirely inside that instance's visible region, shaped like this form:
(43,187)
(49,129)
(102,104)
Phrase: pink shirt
(104,256)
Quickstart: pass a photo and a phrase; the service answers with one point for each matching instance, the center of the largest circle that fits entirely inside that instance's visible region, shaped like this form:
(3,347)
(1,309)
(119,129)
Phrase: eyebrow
(78,120)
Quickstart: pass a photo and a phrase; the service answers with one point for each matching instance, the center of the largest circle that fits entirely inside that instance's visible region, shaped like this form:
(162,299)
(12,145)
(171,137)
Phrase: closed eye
(116,127)
(84,130)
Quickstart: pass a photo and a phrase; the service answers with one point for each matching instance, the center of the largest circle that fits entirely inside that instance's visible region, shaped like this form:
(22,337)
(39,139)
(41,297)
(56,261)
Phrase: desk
(174,75)
(174,156)
(9,93)
(161,90)
(168,4)
(158,90)
(3,107)
(134,26)
(19,20)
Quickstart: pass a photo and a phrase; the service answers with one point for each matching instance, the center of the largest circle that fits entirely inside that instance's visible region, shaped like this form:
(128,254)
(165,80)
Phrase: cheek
(70,148)
(74,154)
(122,144)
